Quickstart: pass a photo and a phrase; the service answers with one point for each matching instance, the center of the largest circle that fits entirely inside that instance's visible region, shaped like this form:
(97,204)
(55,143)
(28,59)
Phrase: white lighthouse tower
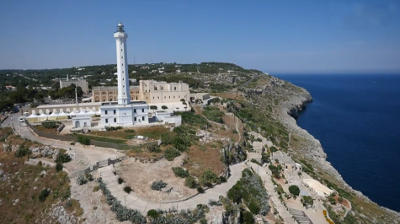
(124,112)
(122,65)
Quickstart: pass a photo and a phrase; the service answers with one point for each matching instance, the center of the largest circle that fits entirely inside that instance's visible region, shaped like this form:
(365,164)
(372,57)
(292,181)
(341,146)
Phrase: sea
(357,120)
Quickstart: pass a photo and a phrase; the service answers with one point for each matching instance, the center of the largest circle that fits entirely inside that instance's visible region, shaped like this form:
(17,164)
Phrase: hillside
(248,129)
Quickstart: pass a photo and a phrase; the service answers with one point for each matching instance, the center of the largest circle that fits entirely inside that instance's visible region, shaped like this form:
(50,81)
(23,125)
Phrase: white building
(123,112)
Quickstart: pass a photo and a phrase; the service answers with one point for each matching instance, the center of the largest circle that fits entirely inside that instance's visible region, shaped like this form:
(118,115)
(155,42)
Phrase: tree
(294,190)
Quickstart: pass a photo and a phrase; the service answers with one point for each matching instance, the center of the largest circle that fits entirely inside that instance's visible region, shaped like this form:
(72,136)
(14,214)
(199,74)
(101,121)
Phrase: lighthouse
(122,65)
(123,113)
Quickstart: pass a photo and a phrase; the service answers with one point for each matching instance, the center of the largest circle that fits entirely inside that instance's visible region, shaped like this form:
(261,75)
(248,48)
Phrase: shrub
(22,151)
(50,124)
(153,148)
(307,201)
(153,107)
(81,180)
(43,194)
(200,189)
(171,153)
(120,180)
(265,158)
(84,140)
(246,217)
(213,113)
(158,185)
(250,189)
(63,157)
(190,182)
(113,128)
(276,170)
(153,213)
(180,172)
(127,189)
(294,190)
(164,107)
(208,178)
(59,167)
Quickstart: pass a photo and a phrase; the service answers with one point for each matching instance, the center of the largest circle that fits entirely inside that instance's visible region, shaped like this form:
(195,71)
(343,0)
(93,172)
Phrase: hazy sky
(273,36)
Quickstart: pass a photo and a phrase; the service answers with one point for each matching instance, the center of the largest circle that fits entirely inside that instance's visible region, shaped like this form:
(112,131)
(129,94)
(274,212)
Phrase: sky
(308,36)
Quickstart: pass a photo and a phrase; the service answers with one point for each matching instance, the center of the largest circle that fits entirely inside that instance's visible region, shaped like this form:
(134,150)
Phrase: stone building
(150,91)
(77,82)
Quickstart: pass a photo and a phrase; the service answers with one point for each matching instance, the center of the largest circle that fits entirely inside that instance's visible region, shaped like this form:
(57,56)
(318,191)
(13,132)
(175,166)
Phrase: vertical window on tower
(106,120)
(115,120)
(105,112)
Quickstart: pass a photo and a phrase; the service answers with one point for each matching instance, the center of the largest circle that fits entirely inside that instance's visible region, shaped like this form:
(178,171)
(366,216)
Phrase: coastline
(290,110)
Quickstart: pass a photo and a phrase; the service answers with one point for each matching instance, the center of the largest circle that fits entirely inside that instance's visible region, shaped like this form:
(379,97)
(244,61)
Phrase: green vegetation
(251,191)
(62,157)
(190,182)
(246,217)
(276,170)
(44,194)
(127,189)
(22,151)
(294,190)
(84,140)
(158,185)
(50,124)
(59,167)
(170,153)
(307,201)
(213,113)
(208,178)
(180,172)
(191,118)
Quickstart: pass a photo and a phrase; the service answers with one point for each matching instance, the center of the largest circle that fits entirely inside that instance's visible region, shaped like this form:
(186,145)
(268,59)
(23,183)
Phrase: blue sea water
(356,119)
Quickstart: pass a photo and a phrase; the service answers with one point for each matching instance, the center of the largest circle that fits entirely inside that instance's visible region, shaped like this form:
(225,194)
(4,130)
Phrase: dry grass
(230,95)
(24,182)
(202,157)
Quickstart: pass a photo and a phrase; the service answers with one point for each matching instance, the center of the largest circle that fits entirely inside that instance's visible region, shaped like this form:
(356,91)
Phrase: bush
(120,180)
(171,153)
(153,148)
(208,178)
(307,201)
(158,185)
(164,107)
(63,158)
(127,189)
(59,167)
(22,151)
(81,180)
(153,107)
(200,189)
(153,213)
(246,217)
(44,194)
(294,190)
(50,124)
(250,189)
(276,170)
(113,128)
(180,172)
(265,158)
(214,114)
(190,182)
(84,140)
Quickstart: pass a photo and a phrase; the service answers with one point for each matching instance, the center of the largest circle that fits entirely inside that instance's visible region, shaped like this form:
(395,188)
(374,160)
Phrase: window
(115,120)
(175,88)
(105,112)
(106,120)
(134,110)
(134,119)
(115,111)
(143,118)
(142,110)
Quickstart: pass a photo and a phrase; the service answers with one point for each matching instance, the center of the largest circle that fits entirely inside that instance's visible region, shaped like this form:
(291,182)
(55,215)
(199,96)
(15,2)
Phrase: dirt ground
(139,176)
